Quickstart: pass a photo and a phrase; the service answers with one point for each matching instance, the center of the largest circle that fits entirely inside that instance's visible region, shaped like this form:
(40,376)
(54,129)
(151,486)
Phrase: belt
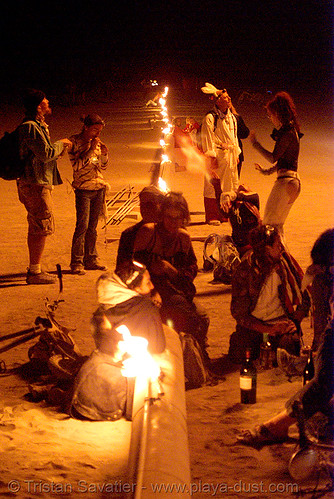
(288,174)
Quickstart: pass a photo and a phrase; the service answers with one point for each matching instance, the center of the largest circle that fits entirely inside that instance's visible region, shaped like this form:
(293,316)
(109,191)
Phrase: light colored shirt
(268,305)
(87,164)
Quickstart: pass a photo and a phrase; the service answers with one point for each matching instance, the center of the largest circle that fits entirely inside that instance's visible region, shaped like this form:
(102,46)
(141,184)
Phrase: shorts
(37,200)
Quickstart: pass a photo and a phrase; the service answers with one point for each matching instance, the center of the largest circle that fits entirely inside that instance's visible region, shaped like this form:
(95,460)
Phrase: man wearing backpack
(40,175)
(220,145)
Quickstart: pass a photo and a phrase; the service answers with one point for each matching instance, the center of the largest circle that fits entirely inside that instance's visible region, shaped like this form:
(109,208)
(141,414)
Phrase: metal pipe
(158,423)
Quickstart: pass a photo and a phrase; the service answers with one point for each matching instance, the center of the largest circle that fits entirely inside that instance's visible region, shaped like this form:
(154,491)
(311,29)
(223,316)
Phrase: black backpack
(11,165)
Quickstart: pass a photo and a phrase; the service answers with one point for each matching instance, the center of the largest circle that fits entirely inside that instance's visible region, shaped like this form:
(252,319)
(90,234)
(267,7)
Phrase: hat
(92,119)
(32,99)
(151,194)
(211,90)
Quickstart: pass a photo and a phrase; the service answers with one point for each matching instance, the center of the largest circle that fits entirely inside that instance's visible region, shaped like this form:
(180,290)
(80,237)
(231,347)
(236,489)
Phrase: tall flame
(139,361)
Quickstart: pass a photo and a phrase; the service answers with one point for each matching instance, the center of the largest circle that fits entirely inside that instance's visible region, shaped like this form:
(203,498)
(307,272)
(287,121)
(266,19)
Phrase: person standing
(284,158)
(40,175)
(89,156)
(220,145)
(242,133)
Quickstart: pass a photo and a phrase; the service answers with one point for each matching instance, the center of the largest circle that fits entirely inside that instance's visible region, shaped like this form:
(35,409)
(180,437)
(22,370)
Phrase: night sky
(247,42)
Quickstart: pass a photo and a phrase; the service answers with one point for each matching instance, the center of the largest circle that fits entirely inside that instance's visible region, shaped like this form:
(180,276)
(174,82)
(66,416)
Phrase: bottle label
(245,383)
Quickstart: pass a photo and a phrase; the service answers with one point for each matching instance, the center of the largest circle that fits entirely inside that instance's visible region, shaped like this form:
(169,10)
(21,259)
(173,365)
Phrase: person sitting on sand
(317,394)
(100,390)
(166,249)
(150,200)
(267,297)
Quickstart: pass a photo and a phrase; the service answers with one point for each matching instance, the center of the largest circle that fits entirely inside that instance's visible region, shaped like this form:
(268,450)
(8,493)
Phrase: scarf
(291,276)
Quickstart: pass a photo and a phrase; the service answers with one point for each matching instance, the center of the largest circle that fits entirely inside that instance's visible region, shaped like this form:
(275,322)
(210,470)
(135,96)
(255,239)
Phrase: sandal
(258,437)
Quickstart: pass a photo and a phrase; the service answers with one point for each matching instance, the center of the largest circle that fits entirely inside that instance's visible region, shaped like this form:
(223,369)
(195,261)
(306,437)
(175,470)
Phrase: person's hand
(226,203)
(213,174)
(285,326)
(156,298)
(94,142)
(252,137)
(104,149)
(67,144)
(259,168)
(163,267)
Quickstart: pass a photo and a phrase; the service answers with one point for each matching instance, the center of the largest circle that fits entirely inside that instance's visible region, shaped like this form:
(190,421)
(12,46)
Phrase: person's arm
(104,152)
(143,245)
(242,130)
(208,136)
(187,265)
(320,292)
(35,141)
(264,152)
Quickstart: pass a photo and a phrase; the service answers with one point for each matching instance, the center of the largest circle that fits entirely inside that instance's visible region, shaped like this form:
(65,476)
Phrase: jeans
(283,194)
(88,206)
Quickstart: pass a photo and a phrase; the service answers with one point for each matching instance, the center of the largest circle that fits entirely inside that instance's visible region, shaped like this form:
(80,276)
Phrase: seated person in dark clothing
(150,200)
(267,297)
(243,213)
(166,249)
(101,392)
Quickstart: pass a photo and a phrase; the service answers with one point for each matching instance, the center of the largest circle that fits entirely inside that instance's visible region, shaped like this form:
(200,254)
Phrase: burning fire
(139,361)
(196,161)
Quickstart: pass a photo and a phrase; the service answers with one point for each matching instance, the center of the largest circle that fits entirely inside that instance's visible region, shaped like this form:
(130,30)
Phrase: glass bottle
(267,354)
(309,368)
(248,376)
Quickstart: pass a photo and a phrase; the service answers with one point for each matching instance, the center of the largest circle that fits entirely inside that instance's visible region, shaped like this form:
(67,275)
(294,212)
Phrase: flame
(162,185)
(140,361)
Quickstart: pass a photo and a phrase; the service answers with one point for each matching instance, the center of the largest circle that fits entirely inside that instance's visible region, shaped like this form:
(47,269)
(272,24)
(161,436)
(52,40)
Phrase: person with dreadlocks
(267,297)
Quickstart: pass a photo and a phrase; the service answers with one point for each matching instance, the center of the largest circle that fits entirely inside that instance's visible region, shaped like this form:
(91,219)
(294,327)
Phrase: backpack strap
(215,118)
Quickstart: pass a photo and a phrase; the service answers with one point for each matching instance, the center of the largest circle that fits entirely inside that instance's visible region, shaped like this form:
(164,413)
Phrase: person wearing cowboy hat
(220,145)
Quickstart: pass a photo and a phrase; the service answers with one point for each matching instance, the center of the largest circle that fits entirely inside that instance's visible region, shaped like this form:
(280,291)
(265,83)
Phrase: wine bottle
(248,377)
(309,368)
(267,354)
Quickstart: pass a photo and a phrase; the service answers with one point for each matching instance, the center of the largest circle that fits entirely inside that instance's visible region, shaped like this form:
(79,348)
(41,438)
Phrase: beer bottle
(309,368)
(248,380)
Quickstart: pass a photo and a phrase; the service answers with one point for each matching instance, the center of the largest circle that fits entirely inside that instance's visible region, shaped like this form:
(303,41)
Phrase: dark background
(282,44)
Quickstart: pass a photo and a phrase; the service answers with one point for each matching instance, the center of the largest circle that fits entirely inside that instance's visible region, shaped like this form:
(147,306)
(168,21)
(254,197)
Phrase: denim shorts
(37,200)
